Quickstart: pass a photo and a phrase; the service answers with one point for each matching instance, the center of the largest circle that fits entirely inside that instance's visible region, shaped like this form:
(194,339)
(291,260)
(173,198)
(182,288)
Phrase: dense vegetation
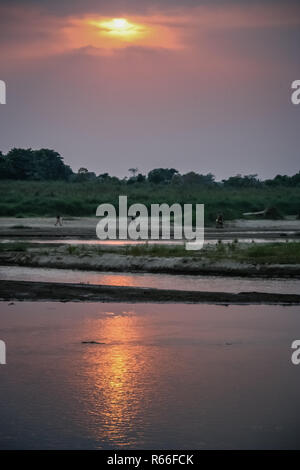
(38,183)
(28,164)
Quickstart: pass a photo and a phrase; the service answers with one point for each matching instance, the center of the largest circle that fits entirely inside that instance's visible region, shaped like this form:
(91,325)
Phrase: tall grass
(36,198)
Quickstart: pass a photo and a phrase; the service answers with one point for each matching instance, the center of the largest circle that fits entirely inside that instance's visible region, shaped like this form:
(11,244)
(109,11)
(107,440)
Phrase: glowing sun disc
(120,23)
(119,27)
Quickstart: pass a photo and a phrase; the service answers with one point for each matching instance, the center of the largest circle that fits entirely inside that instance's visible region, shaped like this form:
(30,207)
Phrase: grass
(72,249)
(14,246)
(282,253)
(156,250)
(253,253)
(70,199)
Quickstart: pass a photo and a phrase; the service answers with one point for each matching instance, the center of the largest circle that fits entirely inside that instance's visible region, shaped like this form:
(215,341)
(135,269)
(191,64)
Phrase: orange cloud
(108,33)
(33,33)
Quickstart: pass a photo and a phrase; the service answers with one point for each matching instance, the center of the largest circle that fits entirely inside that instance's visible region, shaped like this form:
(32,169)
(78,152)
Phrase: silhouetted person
(220,221)
(58,221)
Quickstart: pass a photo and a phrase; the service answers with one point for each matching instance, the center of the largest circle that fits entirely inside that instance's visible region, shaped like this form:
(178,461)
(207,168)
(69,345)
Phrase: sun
(119,27)
(120,24)
(107,34)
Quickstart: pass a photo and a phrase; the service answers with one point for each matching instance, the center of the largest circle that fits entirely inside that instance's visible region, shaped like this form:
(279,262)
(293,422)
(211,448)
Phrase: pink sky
(203,87)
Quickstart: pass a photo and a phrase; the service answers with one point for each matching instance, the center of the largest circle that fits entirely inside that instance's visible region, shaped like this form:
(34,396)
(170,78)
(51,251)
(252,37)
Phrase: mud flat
(53,291)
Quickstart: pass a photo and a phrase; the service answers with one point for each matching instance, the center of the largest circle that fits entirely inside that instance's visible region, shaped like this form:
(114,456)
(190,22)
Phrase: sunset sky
(196,85)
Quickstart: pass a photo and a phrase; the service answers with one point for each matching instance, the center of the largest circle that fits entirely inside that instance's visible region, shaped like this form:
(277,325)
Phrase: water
(159,281)
(166,376)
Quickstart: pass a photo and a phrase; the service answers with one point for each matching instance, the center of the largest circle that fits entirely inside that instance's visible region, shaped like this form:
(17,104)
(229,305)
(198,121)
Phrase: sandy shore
(85,228)
(50,291)
(91,222)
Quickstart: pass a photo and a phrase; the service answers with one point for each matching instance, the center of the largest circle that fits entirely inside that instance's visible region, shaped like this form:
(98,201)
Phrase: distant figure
(220,221)
(58,221)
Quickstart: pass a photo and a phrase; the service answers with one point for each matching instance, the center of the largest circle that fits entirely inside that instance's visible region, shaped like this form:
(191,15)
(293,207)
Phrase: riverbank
(244,260)
(60,292)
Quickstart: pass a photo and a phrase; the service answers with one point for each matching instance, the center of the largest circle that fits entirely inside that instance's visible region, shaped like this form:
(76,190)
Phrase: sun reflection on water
(119,280)
(114,372)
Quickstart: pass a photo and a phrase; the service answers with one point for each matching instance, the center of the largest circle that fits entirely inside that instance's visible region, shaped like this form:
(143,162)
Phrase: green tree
(161,175)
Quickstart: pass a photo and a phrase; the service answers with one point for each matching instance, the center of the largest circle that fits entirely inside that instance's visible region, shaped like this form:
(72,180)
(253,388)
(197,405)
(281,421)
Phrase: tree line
(46,164)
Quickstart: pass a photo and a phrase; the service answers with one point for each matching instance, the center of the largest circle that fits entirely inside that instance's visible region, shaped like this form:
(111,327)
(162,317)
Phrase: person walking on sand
(58,221)
(220,221)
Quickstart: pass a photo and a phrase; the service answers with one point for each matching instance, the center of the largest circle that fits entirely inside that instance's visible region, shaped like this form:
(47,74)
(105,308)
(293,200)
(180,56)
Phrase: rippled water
(160,281)
(164,376)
